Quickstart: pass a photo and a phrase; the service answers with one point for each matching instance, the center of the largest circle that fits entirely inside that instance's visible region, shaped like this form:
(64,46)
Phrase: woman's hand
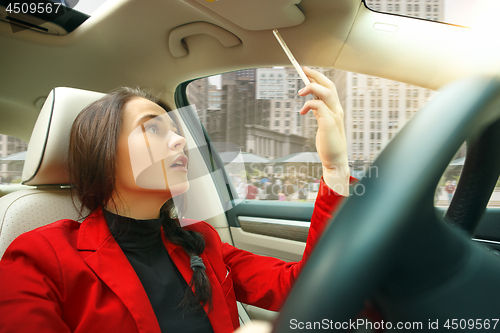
(255,327)
(330,137)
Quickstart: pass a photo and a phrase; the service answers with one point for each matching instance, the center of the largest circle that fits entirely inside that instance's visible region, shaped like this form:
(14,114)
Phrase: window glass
(469,13)
(285,150)
(12,155)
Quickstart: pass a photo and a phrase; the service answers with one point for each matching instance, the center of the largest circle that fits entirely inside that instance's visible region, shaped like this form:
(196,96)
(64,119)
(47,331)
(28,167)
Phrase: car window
(12,154)
(468,13)
(256,110)
(433,10)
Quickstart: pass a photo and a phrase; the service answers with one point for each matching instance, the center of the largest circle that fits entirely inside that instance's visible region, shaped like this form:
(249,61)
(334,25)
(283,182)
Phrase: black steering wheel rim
(389,244)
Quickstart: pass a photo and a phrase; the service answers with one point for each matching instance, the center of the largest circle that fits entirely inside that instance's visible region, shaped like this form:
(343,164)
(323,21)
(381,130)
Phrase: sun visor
(255,14)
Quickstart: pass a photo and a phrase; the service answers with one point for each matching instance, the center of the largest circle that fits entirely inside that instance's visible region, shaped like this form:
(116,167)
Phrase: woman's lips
(180,163)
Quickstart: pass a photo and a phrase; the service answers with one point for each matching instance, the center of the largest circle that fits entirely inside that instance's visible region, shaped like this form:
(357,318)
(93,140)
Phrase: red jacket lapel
(111,265)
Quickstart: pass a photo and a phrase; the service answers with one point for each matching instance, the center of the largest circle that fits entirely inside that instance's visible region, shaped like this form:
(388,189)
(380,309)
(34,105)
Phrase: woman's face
(150,152)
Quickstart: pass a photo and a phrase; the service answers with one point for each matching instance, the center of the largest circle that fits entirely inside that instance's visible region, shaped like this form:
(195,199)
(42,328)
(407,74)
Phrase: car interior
(414,261)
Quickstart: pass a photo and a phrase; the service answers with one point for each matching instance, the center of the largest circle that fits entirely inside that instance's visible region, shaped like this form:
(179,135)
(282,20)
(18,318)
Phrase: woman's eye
(152,129)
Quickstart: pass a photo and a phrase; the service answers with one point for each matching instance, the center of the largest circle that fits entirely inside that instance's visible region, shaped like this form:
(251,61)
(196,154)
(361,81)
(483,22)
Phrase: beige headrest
(48,147)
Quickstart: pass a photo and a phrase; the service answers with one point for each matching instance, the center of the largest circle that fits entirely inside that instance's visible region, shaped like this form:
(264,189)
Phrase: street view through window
(257,110)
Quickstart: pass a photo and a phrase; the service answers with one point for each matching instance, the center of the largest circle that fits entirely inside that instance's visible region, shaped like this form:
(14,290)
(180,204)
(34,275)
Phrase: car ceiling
(126,43)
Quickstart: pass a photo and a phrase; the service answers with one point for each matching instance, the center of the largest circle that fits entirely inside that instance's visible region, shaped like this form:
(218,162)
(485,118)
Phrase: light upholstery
(45,168)
(47,150)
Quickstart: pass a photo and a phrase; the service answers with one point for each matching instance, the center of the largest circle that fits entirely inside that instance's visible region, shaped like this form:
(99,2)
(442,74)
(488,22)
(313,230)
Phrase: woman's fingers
(328,96)
(255,327)
(323,88)
(319,77)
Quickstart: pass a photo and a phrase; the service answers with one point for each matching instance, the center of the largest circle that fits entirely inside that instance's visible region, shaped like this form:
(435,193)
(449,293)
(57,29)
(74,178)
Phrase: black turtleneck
(141,242)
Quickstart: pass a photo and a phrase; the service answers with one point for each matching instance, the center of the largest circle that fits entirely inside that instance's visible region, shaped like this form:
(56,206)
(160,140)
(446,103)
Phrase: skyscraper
(376,108)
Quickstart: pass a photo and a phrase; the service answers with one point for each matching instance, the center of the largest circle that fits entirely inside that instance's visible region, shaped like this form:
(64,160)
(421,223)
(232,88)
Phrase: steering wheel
(391,246)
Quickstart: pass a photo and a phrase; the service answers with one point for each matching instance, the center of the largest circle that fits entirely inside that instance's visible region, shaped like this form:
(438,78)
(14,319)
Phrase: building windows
(355,103)
(361,113)
(361,103)
(416,8)
(396,7)
(288,105)
(379,103)
(277,104)
(287,123)
(370,81)
(361,135)
(277,114)
(354,113)
(379,114)
(354,135)
(408,103)
(276,123)
(389,7)
(372,125)
(372,114)
(428,8)
(408,8)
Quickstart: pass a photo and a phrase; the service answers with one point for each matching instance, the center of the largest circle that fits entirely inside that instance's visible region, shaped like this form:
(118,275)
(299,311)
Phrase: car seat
(45,168)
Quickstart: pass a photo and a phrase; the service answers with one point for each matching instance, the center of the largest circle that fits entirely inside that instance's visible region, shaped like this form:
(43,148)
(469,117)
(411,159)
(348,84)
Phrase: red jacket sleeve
(265,281)
(30,287)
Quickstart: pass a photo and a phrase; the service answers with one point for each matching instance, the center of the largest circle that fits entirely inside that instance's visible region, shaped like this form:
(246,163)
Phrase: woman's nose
(176,142)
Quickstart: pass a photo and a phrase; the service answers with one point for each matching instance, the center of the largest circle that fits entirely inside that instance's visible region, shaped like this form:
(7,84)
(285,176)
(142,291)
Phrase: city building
(10,145)
(375,108)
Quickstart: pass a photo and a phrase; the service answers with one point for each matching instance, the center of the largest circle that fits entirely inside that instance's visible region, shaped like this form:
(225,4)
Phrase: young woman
(129,266)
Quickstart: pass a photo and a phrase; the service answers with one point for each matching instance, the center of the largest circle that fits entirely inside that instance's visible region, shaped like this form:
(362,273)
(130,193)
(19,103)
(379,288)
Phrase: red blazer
(73,277)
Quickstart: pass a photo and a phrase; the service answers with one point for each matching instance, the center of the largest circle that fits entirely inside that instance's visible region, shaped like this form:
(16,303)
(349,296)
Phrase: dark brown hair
(92,164)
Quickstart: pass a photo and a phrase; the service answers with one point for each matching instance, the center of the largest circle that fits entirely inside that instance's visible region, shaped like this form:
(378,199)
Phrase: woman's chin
(179,189)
